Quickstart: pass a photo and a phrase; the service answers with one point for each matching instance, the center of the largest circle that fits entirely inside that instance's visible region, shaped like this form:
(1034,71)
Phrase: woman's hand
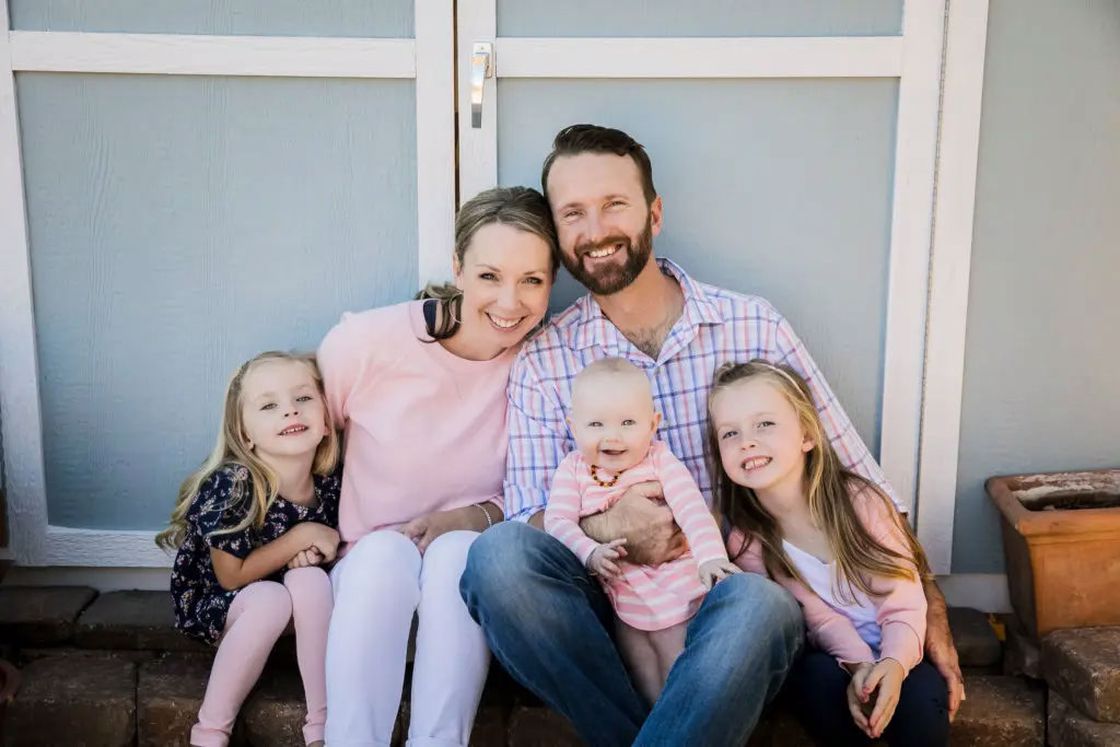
(319,537)
(306,558)
(716,570)
(424,530)
(886,677)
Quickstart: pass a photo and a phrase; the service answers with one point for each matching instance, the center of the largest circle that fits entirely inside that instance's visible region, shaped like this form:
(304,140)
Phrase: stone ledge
(1083,665)
(132,620)
(169,693)
(64,697)
(1000,711)
(1065,727)
(41,616)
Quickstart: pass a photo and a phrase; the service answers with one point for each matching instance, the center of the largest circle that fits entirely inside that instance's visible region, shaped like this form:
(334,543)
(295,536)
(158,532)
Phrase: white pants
(378,586)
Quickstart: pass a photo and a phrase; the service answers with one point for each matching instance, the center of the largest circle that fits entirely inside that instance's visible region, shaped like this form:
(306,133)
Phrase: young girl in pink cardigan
(840,547)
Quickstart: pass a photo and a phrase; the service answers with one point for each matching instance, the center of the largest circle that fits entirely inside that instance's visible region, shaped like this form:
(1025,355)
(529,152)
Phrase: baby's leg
(640,656)
(668,644)
(310,589)
(257,617)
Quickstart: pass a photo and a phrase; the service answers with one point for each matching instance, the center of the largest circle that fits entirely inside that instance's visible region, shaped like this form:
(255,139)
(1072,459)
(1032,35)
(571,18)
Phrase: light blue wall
(780,188)
(382,18)
(179,225)
(700,18)
(1042,365)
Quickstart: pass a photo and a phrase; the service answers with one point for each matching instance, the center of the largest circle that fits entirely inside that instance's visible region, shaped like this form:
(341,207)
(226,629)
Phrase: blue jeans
(550,624)
(818,694)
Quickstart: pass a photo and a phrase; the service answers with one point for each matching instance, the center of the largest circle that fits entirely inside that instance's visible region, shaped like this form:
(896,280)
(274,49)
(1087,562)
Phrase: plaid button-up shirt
(717,326)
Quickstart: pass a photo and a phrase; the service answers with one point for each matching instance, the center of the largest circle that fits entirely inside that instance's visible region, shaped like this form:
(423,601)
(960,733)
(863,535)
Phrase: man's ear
(656,215)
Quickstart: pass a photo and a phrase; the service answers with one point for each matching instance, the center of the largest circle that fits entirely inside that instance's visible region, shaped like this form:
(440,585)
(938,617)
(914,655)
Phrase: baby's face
(613,422)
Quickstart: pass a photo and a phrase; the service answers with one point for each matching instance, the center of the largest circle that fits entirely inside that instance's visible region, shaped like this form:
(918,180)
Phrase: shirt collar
(595,329)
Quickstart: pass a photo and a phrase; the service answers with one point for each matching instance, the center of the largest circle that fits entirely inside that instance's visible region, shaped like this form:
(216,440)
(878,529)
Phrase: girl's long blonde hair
(231,448)
(858,554)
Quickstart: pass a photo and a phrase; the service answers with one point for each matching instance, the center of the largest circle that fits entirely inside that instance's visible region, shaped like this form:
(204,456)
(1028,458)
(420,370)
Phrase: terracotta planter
(1061,540)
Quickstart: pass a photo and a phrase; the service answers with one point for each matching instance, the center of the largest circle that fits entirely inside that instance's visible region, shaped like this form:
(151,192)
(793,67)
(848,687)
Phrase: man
(546,619)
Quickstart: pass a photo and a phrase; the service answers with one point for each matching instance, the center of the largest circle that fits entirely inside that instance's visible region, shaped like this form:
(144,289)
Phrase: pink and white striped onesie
(645,597)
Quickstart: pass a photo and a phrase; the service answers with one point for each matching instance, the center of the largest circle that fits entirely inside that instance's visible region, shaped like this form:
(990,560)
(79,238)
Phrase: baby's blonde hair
(611,367)
(232,448)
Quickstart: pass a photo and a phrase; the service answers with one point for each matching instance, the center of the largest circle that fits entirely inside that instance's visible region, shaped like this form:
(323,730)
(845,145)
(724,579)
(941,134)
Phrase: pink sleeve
(561,512)
(689,508)
(828,629)
(340,368)
(901,610)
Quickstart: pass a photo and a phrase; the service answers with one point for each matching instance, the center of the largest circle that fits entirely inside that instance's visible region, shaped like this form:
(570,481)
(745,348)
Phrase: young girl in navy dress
(836,542)
(253,526)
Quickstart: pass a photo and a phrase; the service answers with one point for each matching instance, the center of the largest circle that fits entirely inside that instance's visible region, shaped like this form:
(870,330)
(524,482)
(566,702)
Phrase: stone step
(1000,711)
(1083,666)
(1065,727)
(86,697)
(75,701)
(132,620)
(41,616)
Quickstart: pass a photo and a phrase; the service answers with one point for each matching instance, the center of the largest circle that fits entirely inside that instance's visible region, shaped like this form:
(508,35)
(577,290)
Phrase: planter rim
(1054,521)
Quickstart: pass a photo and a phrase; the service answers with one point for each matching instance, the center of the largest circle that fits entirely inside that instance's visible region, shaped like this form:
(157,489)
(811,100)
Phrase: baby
(613,422)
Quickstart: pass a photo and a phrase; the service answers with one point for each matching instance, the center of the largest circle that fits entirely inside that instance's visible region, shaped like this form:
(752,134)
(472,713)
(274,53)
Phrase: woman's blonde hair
(830,486)
(523,208)
(232,448)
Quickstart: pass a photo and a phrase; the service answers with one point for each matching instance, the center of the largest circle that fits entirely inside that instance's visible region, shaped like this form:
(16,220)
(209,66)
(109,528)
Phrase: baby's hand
(602,560)
(306,558)
(716,570)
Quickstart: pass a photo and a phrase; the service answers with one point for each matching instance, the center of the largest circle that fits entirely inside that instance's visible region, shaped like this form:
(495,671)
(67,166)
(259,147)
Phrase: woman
(420,390)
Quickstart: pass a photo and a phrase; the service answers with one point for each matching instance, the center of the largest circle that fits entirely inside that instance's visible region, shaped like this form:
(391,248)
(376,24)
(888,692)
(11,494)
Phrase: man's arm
(843,436)
(940,649)
(538,440)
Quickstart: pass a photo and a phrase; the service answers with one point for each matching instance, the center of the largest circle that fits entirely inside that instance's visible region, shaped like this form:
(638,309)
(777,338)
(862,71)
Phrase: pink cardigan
(900,603)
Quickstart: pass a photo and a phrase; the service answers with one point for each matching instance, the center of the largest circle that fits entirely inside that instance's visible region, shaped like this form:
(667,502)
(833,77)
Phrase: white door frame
(915,58)
(427,58)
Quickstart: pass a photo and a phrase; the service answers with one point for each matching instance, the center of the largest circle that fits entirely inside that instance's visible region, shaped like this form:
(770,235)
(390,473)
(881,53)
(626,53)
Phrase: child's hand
(306,558)
(603,559)
(716,570)
(886,677)
(320,537)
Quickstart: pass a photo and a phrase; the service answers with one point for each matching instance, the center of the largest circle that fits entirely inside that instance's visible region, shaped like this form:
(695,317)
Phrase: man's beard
(612,278)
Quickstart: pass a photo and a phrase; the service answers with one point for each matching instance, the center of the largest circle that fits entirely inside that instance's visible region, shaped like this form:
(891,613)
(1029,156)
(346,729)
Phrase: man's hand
(641,518)
(603,560)
(940,649)
(714,571)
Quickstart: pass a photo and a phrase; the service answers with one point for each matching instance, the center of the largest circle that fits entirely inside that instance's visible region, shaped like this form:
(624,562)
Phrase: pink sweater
(900,610)
(425,429)
(645,597)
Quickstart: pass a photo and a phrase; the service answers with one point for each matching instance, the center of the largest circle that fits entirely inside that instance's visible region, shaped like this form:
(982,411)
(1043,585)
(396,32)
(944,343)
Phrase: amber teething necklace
(605,483)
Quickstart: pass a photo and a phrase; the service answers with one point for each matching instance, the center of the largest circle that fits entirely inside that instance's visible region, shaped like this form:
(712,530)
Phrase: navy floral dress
(201,604)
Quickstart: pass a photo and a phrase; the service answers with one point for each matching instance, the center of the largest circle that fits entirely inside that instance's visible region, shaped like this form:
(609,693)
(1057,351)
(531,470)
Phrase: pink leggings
(259,614)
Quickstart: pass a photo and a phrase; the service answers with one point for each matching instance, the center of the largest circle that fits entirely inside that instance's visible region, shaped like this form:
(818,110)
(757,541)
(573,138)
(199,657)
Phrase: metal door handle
(482,67)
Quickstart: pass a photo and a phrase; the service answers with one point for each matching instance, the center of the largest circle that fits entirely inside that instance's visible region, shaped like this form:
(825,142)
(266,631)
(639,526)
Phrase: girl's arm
(901,608)
(828,629)
(561,512)
(689,509)
(234,572)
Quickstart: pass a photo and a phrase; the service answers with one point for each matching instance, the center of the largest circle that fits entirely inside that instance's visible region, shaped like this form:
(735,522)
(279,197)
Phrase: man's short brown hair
(588,138)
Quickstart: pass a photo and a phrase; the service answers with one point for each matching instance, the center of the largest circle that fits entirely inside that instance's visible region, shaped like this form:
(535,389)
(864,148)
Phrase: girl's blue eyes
(301,398)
